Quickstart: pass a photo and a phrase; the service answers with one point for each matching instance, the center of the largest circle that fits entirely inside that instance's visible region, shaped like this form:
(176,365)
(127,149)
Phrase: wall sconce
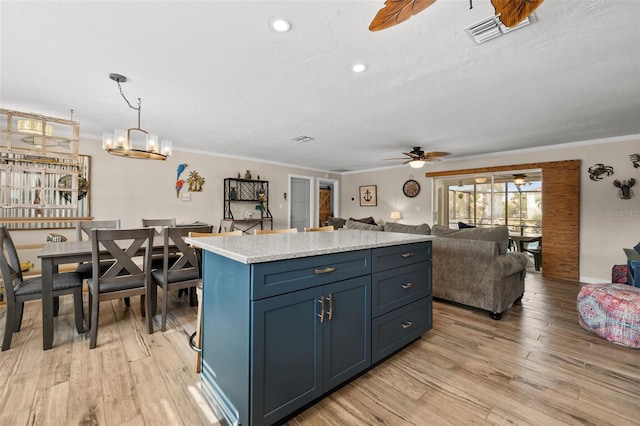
(395,216)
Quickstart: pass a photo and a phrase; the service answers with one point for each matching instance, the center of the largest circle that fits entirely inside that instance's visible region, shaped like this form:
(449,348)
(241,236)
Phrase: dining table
(522,241)
(54,254)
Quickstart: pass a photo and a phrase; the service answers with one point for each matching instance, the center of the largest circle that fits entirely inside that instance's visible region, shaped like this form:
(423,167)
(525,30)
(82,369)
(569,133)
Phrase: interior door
(324,205)
(300,203)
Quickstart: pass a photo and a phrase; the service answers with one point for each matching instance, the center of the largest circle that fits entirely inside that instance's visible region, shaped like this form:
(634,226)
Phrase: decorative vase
(247,175)
(233,194)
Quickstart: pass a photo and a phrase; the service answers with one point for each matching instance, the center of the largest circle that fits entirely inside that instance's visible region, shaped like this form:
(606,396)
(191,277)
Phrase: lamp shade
(395,216)
(416,164)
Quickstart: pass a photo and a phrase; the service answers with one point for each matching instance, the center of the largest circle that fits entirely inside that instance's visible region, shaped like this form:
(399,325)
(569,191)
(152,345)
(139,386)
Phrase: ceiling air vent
(302,139)
(492,27)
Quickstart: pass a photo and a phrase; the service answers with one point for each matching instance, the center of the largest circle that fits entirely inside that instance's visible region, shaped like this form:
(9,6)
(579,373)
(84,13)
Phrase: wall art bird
(181,168)
(179,184)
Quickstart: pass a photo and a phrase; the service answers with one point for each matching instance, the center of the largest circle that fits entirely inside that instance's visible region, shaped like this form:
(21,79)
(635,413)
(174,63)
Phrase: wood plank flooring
(536,366)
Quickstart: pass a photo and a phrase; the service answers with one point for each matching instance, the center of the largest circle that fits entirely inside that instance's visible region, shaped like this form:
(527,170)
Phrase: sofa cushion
(407,229)
(368,220)
(498,234)
(354,224)
(337,222)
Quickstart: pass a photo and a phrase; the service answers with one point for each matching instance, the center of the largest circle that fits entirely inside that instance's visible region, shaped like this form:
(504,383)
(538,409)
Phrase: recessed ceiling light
(280,25)
(359,68)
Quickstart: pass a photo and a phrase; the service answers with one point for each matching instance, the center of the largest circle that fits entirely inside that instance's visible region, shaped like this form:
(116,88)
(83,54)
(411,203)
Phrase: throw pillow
(368,220)
(462,225)
(354,224)
(498,234)
(337,222)
(407,229)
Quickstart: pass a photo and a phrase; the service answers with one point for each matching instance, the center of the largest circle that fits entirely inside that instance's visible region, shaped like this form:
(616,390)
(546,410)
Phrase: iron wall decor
(635,160)
(368,196)
(598,171)
(624,188)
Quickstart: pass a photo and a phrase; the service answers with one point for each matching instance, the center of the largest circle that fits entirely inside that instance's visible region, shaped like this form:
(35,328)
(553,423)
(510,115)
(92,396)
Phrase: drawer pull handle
(406,286)
(325,270)
(330,298)
(406,255)
(406,324)
(321,314)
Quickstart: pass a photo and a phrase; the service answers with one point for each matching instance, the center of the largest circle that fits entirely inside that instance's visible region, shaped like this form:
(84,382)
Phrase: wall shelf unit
(242,196)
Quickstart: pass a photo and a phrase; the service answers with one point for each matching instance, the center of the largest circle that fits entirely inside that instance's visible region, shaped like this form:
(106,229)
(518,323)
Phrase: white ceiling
(213,77)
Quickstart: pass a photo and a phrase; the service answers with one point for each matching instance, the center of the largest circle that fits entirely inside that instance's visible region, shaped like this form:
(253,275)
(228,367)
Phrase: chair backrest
(276,231)
(178,255)
(9,265)
(158,224)
(226,225)
(319,229)
(122,246)
(84,227)
(214,234)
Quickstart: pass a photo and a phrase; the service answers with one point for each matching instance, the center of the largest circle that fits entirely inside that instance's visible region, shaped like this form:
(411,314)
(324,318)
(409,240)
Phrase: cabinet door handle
(406,324)
(407,285)
(321,314)
(405,255)
(330,298)
(325,270)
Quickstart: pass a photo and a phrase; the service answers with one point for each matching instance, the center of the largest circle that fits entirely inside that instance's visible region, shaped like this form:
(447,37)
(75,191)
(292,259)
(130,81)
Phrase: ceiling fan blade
(435,154)
(411,154)
(512,12)
(399,158)
(397,11)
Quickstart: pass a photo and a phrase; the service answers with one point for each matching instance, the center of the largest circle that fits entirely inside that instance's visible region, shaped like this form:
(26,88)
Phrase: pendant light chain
(139,108)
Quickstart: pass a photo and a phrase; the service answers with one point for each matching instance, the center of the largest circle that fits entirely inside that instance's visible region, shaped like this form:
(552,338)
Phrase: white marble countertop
(270,247)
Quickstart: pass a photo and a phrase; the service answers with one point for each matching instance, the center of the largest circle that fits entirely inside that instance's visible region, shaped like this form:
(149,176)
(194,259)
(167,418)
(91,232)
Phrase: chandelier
(128,143)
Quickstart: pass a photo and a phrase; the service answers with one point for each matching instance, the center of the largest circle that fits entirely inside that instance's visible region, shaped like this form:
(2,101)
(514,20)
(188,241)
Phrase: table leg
(47,303)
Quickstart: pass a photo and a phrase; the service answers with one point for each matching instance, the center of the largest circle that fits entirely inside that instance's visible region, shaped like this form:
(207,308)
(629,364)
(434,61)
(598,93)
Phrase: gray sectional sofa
(473,267)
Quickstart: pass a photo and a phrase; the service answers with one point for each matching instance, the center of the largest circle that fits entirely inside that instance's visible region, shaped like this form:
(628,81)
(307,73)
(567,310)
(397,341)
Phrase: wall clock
(411,188)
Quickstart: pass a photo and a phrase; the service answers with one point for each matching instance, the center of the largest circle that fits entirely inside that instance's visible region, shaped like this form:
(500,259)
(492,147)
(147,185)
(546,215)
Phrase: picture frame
(368,196)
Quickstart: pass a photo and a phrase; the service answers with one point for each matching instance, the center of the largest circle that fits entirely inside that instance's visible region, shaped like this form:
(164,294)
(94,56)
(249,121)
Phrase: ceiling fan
(418,157)
(511,12)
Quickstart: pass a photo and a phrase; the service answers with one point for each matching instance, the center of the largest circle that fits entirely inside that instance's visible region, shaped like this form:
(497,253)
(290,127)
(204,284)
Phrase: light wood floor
(536,366)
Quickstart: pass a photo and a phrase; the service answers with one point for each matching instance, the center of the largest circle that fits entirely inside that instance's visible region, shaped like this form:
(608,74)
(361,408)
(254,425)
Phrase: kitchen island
(289,317)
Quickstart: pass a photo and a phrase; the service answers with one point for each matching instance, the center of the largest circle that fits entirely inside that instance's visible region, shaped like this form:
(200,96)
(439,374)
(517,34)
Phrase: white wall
(132,189)
(607,223)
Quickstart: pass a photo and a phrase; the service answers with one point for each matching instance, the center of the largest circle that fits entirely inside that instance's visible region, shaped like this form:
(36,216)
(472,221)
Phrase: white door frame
(312,199)
(335,197)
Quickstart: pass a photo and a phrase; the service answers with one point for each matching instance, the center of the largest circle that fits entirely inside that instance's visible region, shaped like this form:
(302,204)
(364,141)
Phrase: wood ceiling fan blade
(397,11)
(512,12)
(399,158)
(411,154)
(435,154)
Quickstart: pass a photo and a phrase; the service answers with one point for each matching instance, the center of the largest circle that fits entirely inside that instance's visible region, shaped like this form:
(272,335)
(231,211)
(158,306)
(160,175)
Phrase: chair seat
(61,281)
(86,269)
(176,276)
(121,284)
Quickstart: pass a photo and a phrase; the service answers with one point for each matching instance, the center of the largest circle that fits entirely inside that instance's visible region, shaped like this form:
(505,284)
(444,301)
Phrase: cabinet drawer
(397,256)
(274,278)
(395,288)
(397,328)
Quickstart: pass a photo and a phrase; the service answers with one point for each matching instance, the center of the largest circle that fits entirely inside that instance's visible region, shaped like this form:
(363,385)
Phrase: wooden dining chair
(83,232)
(179,269)
(319,229)
(125,278)
(196,338)
(276,231)
(18,290)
